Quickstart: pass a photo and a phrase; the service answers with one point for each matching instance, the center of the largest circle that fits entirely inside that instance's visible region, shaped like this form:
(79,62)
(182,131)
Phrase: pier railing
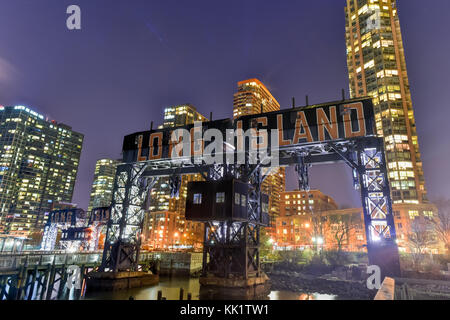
(12,262)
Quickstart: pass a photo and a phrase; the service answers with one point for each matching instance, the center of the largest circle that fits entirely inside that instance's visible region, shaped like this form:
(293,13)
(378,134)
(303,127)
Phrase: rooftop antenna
(210,116)
(307,100)
(151,126)
(293,102)
(343,94)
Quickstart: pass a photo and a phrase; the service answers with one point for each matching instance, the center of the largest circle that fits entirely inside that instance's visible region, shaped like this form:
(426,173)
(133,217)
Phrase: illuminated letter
(302,129)
(349,133)
(139,156)
(281,141)
(324,123)
(158,136)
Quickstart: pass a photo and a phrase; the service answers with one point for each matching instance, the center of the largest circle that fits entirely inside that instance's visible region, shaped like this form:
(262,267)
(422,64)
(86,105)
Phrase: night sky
(134,58)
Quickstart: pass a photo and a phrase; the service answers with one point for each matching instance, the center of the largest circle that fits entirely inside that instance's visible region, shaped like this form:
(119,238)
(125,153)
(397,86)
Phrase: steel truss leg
(123,237)
(233,247)
(377,203)
(369,166)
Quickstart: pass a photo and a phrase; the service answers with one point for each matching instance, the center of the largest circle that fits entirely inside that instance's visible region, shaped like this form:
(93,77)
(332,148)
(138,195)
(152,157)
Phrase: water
(171,290)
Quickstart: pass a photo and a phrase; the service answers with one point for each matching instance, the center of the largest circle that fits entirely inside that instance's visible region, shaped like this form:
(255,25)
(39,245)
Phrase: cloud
(8,73)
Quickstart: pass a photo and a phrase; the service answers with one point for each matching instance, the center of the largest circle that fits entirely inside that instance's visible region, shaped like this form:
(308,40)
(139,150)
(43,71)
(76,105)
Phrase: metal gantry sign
(248,149)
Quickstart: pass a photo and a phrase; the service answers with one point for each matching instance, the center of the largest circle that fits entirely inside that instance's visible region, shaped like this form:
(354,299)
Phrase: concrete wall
(180,263)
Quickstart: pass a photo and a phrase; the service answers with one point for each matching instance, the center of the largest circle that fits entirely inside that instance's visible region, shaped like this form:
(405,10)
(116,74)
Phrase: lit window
(237,198)
(220,197)
(428,214)
(197,198)
(243,200)
(413,214)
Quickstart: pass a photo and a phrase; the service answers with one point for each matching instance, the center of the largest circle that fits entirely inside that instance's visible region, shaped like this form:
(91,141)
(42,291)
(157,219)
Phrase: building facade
(301,203)
(38,166)
(300,214)
(252,97)
(103,184)
(167,230)
(297,228)
(377,68)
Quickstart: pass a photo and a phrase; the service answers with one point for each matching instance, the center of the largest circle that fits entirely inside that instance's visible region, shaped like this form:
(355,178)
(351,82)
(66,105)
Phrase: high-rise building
(377,68)
(103,184)
(38,166)
(162,206)
(181,115)
(253,97)
(174,116)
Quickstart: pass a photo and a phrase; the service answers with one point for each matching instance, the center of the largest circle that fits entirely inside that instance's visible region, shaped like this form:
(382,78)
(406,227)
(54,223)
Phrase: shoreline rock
(344,290)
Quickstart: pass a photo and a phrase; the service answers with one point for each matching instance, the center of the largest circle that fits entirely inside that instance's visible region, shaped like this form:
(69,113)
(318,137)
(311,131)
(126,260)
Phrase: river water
(170,288)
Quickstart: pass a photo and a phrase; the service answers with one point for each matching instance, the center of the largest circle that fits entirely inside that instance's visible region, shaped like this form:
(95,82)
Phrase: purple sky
(132,58)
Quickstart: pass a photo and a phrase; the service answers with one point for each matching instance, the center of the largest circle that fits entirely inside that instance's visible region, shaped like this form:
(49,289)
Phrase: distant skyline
(134,58)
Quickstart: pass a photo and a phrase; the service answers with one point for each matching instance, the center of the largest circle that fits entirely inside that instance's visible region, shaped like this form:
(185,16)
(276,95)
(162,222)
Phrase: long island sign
(253,138)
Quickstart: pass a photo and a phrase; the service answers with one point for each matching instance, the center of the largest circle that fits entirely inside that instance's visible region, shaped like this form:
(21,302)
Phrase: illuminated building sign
(266,131)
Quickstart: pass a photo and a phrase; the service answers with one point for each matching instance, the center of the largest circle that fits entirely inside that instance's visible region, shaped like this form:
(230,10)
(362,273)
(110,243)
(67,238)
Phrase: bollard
(181,293)
(159,295)
(189,296)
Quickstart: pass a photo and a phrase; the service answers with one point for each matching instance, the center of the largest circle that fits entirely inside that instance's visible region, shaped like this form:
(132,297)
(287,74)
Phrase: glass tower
(181,115)
(103,184)
(253,97)
(377,68)
(38,166)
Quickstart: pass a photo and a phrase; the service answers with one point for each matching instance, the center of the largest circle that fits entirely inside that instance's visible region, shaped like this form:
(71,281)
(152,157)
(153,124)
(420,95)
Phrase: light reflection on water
(171,290)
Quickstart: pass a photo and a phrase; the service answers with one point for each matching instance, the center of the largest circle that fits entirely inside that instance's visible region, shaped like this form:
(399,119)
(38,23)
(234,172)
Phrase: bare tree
(420,238)
(441,222)
(341,226)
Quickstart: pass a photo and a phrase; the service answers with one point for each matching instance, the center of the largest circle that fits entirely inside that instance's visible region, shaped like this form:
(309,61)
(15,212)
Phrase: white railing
(14,261)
